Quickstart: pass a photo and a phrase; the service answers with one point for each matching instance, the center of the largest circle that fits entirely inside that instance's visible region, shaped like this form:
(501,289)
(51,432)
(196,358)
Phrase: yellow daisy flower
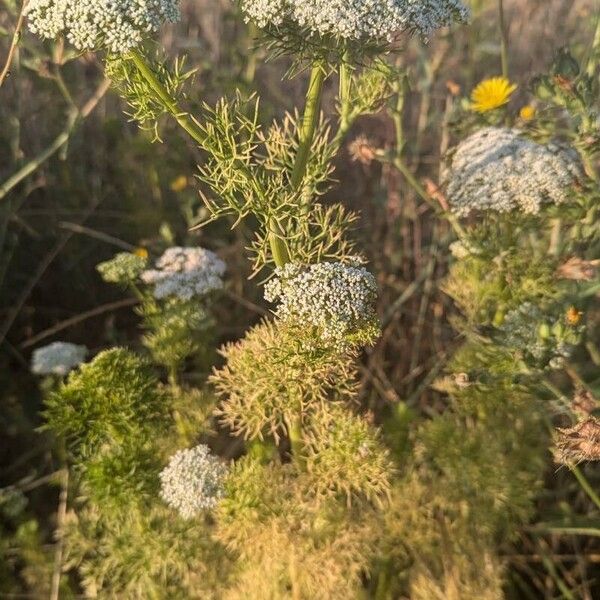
(492,93)
(141,252)
(527,112)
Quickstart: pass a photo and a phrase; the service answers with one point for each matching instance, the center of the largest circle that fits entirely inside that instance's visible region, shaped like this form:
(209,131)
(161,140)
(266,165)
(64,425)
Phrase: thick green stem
(184,120)
(309,123)
(344,94)
(279,248)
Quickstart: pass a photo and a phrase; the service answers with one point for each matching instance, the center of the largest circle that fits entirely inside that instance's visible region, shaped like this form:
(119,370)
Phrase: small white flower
(497,169)
(193,481)
(356,19)
(337,299)
(185,273)
(57,358)
(117,25)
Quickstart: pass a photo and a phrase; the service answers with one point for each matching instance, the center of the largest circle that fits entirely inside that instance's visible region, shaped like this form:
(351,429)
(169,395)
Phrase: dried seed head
(579,269)
(578,443)
(362,150)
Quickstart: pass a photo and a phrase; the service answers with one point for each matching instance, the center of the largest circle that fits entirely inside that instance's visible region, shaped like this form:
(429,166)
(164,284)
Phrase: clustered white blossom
(57,358)
(185,273)
(335,298)
(357,19)
(122,268)
(117,25)
(193,481)
(497,169)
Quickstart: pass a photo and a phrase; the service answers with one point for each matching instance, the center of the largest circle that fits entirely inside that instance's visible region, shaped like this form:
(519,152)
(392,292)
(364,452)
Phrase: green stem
(585,484)
(344,94)
(420,190)
(184,119)
(503,39)
(279,249)
(309,123)
(595,50)
(294,427)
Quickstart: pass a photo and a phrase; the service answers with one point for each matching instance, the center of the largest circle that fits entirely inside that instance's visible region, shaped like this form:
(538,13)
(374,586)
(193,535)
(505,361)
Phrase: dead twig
(14,43)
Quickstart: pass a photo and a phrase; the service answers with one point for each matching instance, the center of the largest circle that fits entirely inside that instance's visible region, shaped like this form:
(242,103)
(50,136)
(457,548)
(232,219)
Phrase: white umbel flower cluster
(57,358)
(193,481)
(356,19)
(497,169)
(117,25)
(337,299)
(185,273)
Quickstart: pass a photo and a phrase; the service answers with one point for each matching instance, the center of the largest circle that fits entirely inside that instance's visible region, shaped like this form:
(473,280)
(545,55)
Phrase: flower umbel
(57,358)
(117,25)
(332,299)
(356,19)
(492,93)
(185,273)
(498,169)
(193,481)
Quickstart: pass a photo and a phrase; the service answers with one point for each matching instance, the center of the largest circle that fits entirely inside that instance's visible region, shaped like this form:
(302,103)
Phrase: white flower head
(185,273)
(117,25)
(360,20)
(124,267)
(335,299)
(193,481)
(57,358)
(497,169)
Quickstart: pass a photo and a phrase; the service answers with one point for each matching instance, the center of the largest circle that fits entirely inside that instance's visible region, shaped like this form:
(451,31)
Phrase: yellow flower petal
(141,252)
(573,316)
(179,183)
(527,112)
(492,93)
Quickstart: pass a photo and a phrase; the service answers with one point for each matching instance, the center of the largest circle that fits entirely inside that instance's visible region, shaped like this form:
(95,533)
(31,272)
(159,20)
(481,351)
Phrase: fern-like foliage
(269,378)
(112,400)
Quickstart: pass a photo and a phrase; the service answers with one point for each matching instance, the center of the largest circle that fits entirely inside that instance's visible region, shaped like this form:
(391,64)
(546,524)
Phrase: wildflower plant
(314,500)
(174,297)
